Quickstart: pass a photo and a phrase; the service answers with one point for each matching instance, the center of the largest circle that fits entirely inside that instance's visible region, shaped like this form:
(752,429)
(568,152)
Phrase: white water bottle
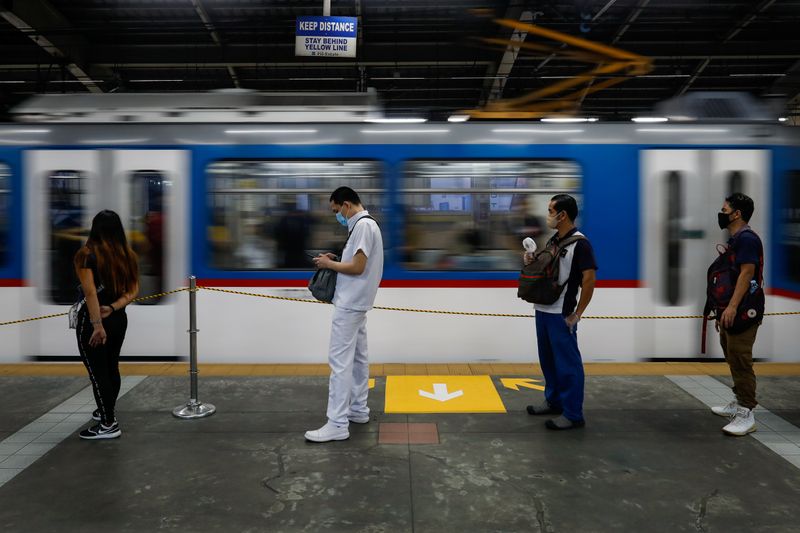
(529,245)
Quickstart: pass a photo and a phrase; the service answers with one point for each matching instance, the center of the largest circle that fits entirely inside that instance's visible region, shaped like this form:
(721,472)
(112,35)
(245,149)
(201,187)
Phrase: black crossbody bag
(323,283)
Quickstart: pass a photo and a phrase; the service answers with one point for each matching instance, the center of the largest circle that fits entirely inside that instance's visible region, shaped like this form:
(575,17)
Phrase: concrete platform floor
(651,458)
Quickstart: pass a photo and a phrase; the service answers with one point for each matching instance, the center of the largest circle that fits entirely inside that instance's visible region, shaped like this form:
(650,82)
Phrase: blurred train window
(5,204)
(735,182)
(265,215)
(674,255)
(149,195)
(67,232)
(473,215)
(791,226)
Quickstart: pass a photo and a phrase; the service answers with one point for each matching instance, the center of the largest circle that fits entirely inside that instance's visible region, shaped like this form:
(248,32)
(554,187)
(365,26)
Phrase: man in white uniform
(359,275)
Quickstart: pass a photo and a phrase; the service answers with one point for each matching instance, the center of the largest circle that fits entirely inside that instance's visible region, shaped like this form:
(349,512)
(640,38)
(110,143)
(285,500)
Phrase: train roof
(356,133)
(227,105)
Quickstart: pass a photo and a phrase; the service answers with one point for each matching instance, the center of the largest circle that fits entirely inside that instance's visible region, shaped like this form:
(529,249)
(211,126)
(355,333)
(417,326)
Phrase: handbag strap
(83,298)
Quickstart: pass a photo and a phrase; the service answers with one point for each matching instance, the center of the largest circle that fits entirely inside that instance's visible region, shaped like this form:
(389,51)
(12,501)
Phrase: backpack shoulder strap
(569,240)
(759,275)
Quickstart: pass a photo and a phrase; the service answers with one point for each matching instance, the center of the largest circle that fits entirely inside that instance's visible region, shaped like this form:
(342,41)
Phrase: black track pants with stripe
(102,361)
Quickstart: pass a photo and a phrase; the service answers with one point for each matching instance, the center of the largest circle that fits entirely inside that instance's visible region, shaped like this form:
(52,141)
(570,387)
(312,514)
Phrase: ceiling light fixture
(756,75)
(682,130)
(396,120)
(408,132)
(649,120)
(273,131)
(15,132)
(569,120)
(531,130)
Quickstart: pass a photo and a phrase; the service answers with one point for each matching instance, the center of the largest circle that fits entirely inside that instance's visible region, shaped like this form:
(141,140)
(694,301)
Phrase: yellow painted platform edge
(397,369)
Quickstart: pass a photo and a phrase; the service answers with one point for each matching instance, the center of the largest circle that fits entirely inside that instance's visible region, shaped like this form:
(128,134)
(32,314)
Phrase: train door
(681,192)
(65,189)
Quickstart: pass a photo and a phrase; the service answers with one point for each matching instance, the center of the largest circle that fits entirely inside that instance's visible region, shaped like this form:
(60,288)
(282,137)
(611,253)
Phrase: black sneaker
(96,415)
(101,431)
(543,409)
(562,422)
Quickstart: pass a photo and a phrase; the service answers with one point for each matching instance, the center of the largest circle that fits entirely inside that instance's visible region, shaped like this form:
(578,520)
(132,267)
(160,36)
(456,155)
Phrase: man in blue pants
(557,324)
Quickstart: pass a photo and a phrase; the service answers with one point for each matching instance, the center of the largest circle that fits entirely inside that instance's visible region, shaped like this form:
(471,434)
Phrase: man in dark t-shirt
(556,324)
(738,347)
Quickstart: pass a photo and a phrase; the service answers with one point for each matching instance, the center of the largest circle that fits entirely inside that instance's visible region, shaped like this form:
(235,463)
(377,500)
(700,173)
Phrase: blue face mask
(341,219)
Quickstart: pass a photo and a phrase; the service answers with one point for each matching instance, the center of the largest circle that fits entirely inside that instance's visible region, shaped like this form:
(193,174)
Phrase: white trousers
(347,357)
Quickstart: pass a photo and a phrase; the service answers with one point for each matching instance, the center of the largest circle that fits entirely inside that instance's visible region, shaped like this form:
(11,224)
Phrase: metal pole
(326,8)
(195,408)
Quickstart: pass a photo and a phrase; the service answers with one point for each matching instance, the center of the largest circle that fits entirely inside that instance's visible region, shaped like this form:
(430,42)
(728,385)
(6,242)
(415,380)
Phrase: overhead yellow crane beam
(609,60)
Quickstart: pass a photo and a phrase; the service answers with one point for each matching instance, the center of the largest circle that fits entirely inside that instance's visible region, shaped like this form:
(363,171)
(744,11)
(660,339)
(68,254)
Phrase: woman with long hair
(109,274)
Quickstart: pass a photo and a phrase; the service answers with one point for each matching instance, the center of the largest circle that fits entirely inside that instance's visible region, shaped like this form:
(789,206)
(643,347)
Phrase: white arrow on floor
(440,393)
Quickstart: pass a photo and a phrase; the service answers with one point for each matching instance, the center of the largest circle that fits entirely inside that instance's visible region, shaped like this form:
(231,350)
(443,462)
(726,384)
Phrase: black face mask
(723,220)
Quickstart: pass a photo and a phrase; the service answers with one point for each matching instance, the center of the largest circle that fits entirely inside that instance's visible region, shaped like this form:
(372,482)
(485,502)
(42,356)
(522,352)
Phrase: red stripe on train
(409,283)
(785,293)
(12,282)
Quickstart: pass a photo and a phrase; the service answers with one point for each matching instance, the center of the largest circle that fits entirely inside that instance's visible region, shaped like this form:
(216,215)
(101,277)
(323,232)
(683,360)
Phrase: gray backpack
(538,281)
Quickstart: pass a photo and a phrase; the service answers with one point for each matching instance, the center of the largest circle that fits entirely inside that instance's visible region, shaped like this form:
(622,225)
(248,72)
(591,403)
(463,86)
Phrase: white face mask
(552,221)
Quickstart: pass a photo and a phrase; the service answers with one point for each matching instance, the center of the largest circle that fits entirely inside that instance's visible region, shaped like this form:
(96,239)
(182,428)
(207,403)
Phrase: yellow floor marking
(442,394)
(371,383)
(516,383)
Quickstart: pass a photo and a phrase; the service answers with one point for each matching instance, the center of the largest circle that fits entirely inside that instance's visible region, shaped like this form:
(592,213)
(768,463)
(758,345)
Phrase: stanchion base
(194,409)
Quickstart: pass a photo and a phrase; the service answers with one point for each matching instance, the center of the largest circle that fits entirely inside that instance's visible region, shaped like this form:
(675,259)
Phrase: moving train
(233,189)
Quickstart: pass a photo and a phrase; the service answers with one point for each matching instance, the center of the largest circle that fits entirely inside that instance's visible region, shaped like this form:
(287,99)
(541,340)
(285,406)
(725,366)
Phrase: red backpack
(722,276)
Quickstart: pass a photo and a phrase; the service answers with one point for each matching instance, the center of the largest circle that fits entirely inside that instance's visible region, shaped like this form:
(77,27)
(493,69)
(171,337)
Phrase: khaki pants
(738,350)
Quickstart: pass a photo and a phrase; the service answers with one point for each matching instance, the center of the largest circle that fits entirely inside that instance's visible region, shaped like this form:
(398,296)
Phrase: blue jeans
(561,364)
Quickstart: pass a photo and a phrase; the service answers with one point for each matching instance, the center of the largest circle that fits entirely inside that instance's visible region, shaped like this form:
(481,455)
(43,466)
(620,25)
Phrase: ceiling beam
(203,14)
(510,54)
(630,20)
(297,64)
(37,18)
(789,84)
(755,12)
(699,70)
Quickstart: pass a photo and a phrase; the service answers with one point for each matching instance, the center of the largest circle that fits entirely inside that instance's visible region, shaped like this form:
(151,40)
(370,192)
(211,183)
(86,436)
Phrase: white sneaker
(725,410)
(359,418)
(327,433)
(742,423)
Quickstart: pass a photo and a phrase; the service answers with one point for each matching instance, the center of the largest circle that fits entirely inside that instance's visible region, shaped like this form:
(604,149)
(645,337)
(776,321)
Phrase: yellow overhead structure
(564,97)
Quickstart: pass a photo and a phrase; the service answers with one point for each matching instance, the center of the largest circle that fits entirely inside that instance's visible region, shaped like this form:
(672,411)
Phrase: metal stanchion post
(195,408)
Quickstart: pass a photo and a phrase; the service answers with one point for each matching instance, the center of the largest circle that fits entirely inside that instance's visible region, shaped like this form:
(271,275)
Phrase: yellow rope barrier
(140,299)
(383,308)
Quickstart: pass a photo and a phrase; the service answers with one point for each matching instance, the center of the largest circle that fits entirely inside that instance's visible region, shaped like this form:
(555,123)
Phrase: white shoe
(327,433)
(742,423)
(358,418)
(726,410)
